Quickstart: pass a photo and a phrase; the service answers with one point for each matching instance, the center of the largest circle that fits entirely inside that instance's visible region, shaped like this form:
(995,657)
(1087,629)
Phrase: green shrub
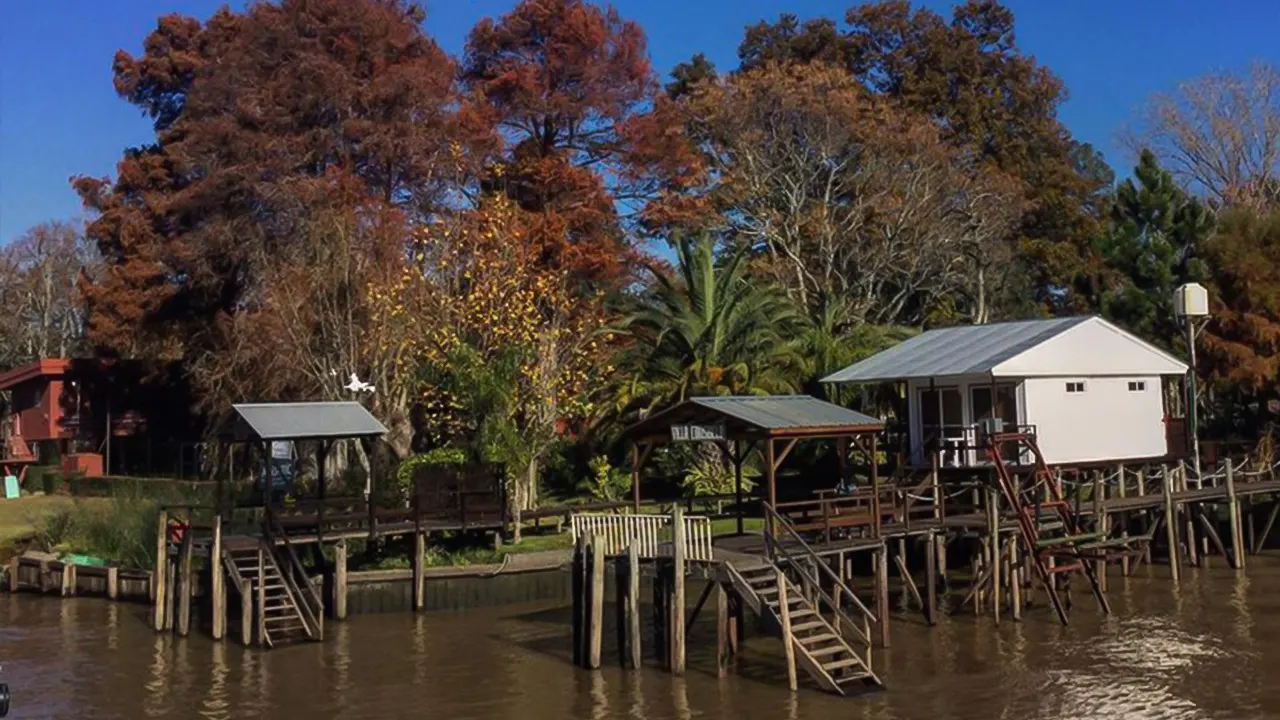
(437,457)
(607,483)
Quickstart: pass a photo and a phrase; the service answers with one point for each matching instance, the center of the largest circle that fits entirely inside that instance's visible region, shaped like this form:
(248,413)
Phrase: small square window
(1075,387)
(1137,386)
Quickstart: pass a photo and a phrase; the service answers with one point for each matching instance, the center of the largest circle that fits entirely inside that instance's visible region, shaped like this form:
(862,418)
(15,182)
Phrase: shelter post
(737,481)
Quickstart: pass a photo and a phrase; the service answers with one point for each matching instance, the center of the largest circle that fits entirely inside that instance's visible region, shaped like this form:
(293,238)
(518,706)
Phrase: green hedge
(53,481)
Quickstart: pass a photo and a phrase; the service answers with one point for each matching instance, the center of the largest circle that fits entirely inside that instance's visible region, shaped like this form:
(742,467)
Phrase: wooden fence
(653,532)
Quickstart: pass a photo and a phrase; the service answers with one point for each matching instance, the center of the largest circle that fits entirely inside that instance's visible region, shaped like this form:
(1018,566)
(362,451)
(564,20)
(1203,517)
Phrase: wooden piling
(596,548)
(419,566)
(217,582)
(171,586)
(677,596)
(261,601)
(1171,525)
(1190,538)
(633,602)
(1015,579)
(722,630)
(113,583)
(1124,520)
(340,580)
(882,593)
(1103,524)
(161,571)
(930,581)
(787,640)
(187,587)
(246,613)
(1233,518)
(993,527)
(579,591)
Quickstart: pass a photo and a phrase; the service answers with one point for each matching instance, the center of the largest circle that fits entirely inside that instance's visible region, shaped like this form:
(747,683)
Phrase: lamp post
(1191,301)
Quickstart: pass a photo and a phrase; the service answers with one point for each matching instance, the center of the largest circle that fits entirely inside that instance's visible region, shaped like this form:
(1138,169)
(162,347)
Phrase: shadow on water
(1206,650)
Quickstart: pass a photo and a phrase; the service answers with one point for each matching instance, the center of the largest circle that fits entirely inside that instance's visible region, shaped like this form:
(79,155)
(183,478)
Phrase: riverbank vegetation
(525,247)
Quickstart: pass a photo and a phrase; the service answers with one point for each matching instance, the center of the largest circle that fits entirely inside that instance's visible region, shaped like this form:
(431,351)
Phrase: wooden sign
(697,433)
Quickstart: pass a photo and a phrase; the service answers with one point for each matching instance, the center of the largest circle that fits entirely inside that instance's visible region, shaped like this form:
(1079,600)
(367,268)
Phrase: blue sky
(59,115)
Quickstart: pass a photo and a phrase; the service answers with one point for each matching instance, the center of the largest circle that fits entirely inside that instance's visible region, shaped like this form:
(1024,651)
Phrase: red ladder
(1049,528)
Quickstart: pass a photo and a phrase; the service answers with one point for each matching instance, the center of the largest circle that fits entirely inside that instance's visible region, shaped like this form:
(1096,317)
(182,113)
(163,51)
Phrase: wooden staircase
(284,613)
(818,644)
(1049,528)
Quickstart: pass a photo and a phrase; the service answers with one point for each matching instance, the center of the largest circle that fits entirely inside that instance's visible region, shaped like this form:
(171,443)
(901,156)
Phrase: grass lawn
(18,516)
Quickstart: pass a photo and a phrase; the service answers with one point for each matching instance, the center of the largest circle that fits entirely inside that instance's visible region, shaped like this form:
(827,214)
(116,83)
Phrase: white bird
(358,385)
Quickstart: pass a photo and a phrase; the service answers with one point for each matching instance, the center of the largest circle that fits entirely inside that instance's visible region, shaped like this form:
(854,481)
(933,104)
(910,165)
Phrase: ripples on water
(1208,652)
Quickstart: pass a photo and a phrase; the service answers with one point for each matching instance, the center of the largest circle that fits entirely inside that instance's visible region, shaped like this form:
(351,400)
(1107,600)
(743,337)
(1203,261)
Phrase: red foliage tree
(566,84)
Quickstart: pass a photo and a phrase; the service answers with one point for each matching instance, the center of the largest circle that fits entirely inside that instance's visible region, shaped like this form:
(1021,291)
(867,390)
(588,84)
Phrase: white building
(1089,391)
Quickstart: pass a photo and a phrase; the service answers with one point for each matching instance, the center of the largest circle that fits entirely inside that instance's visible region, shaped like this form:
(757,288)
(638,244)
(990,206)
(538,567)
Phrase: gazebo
(740,424)
(260,424)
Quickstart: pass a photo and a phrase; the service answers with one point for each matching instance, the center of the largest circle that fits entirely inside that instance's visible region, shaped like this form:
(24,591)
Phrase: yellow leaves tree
(509,350)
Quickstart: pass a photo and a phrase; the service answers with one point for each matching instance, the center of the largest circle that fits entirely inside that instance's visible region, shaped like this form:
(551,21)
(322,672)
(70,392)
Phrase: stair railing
(779,554)
(310,606)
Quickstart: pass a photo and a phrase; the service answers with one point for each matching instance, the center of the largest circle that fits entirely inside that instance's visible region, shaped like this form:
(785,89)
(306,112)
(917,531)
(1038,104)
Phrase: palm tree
(707,330)
(830,341)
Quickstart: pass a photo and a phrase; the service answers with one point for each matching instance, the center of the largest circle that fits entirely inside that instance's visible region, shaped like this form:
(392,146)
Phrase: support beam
(217,581)
(596,548)
(677,599)
(419,571)
(633,602)
(1170,525)
(340,580)
(1266,527)
(161,573)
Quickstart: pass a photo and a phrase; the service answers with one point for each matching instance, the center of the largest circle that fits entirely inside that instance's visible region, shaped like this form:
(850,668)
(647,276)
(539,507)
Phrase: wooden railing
(653,533)
(796,555)
(295,575)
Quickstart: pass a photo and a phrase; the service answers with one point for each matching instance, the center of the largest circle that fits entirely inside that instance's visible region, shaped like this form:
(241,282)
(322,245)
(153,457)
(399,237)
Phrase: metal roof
(961,350)
(774,414)
(296,421)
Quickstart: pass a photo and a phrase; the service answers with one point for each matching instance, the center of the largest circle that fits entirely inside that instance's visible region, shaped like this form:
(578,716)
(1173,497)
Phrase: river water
(1208,651)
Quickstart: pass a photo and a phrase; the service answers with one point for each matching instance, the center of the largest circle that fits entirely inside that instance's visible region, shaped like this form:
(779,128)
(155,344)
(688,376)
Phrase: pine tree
(1150,247)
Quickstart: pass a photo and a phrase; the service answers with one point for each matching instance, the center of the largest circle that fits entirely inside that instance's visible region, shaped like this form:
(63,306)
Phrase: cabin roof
(48,367)
(1006,350)
(303,420)
(773,415)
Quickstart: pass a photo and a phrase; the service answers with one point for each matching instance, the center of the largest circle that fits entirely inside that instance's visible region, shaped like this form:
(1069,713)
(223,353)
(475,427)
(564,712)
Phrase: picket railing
(653,533)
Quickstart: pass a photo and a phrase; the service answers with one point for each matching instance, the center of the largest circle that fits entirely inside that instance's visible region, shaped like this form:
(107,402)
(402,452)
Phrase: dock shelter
(741,424)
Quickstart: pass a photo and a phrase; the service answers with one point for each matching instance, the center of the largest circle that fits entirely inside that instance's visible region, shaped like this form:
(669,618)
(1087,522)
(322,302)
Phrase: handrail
(864,634)
(771,543)
(311,605)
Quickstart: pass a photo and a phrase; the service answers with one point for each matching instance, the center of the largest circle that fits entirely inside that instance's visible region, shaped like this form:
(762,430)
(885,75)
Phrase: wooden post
(578,619)
(419,567)
(261,600)
(660,612)
(722,630)
(113,583)
(770,469)
(217,581)
(340,580)
(68,579)
(246,613)
(171,595)
(677,599)
(930,581)
(1171,525)
(161,572)
(1103,526)
(633,602)
(993,527)
(596,548)
(1233,517)
(1124,522)
(882,593)
(737,481)
(188,589)
(1015,579)
(787,640)
(1189,538)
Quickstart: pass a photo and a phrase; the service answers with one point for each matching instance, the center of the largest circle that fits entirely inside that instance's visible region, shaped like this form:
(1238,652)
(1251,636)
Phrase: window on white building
(1075,387)
(1137,386)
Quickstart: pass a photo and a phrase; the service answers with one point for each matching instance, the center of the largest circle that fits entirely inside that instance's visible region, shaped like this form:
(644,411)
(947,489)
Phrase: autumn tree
(848,199)
(1241,342)
(507,348)
(1219,134)
(564,81)
(969,76)
(265,121)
